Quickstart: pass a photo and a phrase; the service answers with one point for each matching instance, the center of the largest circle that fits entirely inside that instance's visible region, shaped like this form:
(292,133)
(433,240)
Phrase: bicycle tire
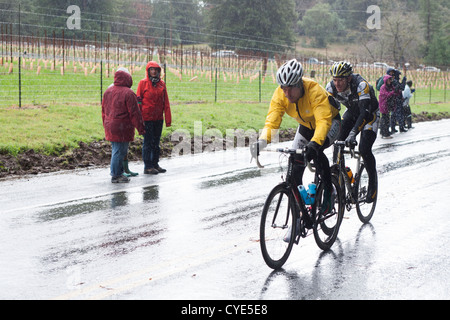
(365,210)
(326,228)
(277,219)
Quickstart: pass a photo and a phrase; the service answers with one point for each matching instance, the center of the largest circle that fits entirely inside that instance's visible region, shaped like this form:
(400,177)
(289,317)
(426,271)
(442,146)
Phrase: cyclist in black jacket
(362,115)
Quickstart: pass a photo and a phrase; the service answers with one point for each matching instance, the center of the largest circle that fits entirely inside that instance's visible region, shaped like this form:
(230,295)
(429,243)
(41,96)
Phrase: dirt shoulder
(98,153)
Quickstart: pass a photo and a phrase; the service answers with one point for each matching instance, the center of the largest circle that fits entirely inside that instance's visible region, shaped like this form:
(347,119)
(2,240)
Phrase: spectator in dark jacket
(397,114)
(120,115)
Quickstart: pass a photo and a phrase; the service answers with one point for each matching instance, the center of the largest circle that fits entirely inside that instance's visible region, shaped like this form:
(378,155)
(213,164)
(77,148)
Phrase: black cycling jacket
(359,99)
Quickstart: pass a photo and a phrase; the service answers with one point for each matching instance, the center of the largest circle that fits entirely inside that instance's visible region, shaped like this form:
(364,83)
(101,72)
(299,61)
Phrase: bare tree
(399,38)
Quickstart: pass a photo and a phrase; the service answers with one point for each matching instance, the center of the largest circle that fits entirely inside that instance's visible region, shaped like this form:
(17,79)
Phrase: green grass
(59,111)
(55,129)
(50,130)
(425,96)
(431,108)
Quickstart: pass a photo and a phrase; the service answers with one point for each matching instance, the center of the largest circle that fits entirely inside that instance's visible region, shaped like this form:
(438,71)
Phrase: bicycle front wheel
(365,210)
(277,229)
(326,226)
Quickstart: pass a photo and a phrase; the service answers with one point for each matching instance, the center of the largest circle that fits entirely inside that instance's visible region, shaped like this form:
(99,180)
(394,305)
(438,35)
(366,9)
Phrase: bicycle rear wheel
(326,227)
(277,229)
(365,210)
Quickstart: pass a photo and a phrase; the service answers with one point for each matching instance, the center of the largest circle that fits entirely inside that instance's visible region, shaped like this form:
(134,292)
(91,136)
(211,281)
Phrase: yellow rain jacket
(314,111)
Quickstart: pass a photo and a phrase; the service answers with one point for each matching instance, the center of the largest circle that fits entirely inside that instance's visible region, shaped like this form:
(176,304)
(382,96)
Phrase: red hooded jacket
(120,110)
(155,101)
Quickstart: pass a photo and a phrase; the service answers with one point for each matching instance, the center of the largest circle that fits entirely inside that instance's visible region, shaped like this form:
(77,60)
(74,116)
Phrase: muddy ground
(98,153)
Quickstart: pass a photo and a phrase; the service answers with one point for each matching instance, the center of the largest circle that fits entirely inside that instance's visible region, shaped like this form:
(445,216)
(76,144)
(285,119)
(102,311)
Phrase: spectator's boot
(127,171)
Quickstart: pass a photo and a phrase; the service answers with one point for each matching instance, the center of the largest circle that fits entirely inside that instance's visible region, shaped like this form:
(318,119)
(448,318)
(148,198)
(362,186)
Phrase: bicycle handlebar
(287,151)
(351,147)
(345,144)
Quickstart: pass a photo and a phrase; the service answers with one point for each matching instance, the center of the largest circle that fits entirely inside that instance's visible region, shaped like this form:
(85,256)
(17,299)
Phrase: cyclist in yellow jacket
(317,113)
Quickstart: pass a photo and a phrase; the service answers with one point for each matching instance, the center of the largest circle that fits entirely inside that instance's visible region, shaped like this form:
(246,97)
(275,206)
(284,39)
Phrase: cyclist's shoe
(328,201)
(287,236)
(371,193)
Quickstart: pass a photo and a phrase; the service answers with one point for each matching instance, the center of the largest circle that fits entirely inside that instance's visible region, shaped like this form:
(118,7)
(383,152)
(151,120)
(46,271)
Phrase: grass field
(59,110)
(58,128)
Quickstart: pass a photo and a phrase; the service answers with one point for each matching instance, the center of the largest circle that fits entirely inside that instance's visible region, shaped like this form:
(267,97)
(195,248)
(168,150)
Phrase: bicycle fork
(351,195)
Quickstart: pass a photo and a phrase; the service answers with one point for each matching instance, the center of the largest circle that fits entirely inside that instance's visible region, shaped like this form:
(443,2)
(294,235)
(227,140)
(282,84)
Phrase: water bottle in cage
(309,195)
(350,174)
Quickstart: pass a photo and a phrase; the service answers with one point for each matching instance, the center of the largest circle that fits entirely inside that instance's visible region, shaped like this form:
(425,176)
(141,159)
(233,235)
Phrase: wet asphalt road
(192,233)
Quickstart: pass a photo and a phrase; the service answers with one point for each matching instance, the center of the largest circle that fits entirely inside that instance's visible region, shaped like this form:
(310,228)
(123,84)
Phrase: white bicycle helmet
(290,73)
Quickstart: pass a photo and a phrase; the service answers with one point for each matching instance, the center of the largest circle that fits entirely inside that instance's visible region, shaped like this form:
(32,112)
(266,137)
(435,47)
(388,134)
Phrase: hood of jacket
(152,64)
(386,78)
(123,79)
(397,73)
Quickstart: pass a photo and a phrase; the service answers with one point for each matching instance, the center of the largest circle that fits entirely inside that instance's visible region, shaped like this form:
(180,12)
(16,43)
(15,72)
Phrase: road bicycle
(357,185)
(286,218)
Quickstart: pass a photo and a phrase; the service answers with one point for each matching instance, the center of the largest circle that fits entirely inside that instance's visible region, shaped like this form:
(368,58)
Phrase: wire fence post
(101,59)
(215,89)
(429,100)
(259,85)
(20,63)
(445,91)
(165,72)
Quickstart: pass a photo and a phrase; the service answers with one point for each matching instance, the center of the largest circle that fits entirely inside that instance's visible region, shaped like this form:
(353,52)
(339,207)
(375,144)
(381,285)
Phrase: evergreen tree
(434,15)
(321,24)
(263,26)
(178,22)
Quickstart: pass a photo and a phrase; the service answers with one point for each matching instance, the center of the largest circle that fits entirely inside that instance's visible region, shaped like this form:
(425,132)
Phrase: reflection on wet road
(192,233)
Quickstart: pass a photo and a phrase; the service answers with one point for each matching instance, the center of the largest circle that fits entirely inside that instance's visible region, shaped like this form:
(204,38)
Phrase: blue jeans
(150,149)
(118,153)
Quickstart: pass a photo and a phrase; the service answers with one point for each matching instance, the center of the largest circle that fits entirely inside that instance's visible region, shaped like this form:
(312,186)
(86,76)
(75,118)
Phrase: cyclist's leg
(303,136)
(347,124)
(365,148)
(301,139)
(323,165)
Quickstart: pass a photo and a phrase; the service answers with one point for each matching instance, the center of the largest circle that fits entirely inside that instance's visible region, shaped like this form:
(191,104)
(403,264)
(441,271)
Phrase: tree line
(407,30)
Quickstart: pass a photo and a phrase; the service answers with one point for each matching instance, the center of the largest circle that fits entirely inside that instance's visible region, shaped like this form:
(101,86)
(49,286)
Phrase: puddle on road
(230,178)
(106,202)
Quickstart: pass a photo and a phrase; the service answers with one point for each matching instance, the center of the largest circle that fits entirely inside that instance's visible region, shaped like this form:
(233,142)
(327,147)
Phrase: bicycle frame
(342,174)
(357,191)
(302,211)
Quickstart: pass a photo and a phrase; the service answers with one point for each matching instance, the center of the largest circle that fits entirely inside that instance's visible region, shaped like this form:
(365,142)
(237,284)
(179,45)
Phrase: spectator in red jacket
(155,107)
(120,115)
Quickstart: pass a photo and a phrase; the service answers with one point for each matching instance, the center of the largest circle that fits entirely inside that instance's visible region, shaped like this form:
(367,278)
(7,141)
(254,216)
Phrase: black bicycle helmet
(290,73)
(341,69)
